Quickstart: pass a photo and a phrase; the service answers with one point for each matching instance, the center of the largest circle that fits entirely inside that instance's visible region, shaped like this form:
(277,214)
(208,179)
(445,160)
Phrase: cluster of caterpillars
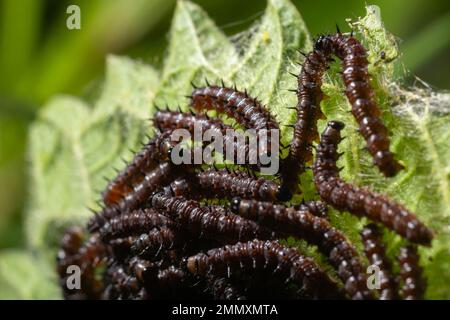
(174,231)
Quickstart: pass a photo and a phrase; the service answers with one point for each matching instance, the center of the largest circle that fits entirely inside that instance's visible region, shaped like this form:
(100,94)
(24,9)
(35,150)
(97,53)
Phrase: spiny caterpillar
(133,223)
(247,111)
(259,255)
(193,231)
(359,201)
(156,150)
(163,173)
(317,231)
(360,95)
(376,254)
(225,183)
(413,285)
(209,222)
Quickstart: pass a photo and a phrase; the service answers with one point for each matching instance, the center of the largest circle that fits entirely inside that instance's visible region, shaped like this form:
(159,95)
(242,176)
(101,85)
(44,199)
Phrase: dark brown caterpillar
(222,289)
(358,201)
(173,282)
(309,95)
(123,285)
(256,255)
(225,183)
(413,284)
(72,241)
(247,111)
(210,222)
(181,188)
(88,257)
(133,223)
(156,253)
(120,248)
(145,270)
(171,120)
(150,244)
(163,174)
(163,281)
(361,96)
(90,253)
(317,208)
(376,254)
(155,151)
(70,245)
(302,224)
(167,120)
(171,277)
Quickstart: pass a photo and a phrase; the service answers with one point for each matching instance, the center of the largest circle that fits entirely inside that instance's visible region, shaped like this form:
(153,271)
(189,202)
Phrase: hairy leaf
(25,277)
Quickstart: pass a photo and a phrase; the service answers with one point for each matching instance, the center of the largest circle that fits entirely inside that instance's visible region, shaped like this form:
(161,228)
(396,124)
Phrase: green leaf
(73,145)
(418,119)
(425,117)
(23,276)
(130,86)
(267,52)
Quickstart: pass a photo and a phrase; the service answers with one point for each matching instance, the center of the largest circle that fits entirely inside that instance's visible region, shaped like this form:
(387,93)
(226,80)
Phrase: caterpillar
(133,223)
(309,95)
(376,254)
(123,285)
(159,238)
(317,208)
(247,111)
(414,285)
(302,224)
(171,120)
(72,240)
(259,255)
(155,151)
(209,222)
(361,202)
(71,243)
(180,188)
(228,183)
(222,289)
(175,282)
(225,183)
(163,174)
(120,248)
(167,120)
(88,258)
(163,281)
(90,254)
(360,94)
(145,270)
(172,277)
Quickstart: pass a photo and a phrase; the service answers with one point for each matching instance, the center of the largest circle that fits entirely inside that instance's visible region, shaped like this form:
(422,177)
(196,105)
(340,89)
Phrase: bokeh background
(40,57)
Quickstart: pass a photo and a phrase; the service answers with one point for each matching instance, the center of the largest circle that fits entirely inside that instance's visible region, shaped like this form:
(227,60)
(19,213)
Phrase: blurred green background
(40,57)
